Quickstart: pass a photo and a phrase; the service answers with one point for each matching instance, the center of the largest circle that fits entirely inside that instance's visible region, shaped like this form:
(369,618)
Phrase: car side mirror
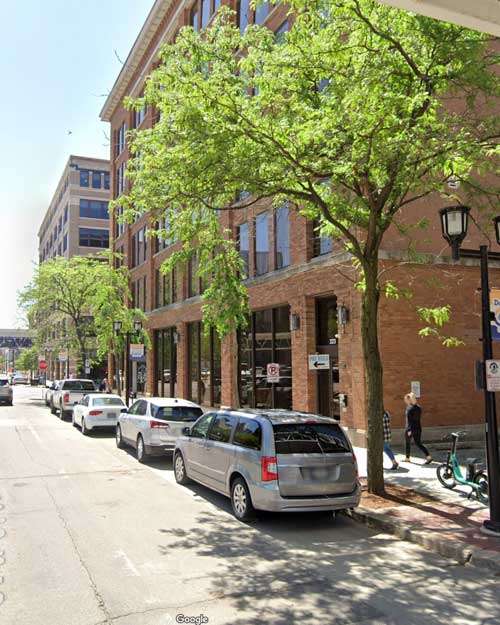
(124,410)
(186,431)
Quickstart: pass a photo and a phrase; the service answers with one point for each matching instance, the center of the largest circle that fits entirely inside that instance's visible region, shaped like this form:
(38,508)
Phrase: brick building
(303,302)
(76,223)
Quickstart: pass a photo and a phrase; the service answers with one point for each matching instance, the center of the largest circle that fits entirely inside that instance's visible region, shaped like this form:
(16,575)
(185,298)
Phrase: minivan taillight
(66,398)
(269,466)
(158,425)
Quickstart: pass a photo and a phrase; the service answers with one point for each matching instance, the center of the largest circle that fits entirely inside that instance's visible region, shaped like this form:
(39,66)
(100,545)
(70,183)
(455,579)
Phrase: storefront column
(182,361)
(150,366)
(229,364)
(304,394)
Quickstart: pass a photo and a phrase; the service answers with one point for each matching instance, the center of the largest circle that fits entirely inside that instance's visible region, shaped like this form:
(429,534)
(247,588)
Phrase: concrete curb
(461,552)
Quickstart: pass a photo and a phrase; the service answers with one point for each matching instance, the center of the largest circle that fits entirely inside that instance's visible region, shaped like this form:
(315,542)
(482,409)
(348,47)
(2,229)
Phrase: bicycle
(450,473)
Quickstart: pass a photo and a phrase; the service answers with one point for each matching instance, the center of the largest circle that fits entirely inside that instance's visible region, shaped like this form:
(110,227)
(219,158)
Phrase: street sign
(136,351)
(493,375)
(273,373)
(63,356)
(319,361)
(42,365)
(495,310)
(415,388)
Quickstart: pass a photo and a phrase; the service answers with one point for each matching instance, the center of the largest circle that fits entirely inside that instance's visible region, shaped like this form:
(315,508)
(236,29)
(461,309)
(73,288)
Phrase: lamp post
(454,222)
(117,327)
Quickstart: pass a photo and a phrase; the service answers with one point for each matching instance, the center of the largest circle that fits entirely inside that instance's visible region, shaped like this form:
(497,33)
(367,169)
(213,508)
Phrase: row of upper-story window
(202,12)
(87,237)
(96,179)
(58,250)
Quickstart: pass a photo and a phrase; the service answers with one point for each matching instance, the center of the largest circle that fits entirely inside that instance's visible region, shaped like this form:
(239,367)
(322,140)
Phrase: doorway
(327,343)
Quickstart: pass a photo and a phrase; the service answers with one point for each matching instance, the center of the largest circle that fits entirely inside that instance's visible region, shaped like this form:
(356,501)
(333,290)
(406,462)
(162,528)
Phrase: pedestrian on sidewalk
(104,386)
(387,440)
(414,427)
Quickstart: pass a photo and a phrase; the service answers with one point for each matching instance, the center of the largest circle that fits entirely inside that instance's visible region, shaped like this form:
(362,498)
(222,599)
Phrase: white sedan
(98,410)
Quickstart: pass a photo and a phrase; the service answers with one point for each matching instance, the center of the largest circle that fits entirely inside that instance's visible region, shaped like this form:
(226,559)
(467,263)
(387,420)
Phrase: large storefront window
(166,363)
(204,365)
(266,340)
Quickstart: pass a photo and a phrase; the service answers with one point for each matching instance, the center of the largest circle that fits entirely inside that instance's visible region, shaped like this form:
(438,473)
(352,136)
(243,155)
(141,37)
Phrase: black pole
(493,523)
(127,369)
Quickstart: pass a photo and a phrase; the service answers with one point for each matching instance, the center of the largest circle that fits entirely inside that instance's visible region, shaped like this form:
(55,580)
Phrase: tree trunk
(374,382)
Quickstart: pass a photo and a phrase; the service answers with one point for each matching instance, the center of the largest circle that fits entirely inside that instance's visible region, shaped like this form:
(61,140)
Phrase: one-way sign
(319,361)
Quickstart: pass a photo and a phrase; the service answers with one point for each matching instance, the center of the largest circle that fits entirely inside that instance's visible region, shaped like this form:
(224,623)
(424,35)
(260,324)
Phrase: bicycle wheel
(482,492)
(445,476)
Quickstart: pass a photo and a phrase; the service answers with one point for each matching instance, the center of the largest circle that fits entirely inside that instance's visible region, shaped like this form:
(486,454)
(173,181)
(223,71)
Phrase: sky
(58,58)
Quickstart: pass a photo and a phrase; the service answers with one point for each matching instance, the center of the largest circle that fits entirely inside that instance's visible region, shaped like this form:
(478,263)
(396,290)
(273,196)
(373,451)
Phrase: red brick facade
(446,375)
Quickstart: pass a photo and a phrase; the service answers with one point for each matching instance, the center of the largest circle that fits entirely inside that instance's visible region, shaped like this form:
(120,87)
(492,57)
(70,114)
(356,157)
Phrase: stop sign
(42,365)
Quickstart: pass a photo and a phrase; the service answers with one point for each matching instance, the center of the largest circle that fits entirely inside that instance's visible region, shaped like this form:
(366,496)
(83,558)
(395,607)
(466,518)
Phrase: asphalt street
(89,536)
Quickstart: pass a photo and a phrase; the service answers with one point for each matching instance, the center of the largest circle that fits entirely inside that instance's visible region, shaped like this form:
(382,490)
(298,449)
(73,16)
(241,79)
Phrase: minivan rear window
(176,413)
(309,438)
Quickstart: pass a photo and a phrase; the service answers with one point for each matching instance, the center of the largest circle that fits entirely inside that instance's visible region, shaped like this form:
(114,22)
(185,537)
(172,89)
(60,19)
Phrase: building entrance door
(327,343)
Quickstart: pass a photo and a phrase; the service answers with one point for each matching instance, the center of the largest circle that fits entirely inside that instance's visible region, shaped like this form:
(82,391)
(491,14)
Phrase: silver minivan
(152,425)
(274,460)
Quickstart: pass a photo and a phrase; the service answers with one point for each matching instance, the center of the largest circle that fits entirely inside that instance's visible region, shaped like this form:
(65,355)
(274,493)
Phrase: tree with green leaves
(355,115)
(28,359)
(73,303)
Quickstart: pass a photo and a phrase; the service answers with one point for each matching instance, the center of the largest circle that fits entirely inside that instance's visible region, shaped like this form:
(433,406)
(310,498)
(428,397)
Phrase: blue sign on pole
(495,309)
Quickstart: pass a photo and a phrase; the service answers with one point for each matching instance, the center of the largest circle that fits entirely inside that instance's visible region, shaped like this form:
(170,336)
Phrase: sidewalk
(417,508)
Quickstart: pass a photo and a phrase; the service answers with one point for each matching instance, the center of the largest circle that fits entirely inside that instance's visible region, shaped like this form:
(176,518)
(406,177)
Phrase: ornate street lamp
(496,222)
(117,327)
(454,222)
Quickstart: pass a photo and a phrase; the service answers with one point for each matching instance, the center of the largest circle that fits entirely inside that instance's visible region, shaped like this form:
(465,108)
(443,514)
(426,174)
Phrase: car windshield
(108,401)
(309,438)
(176,413)
(79,385)
(3,382)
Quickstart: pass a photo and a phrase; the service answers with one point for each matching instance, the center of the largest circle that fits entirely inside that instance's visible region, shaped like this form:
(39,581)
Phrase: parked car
(50,387)
(6,393)
(152,425)
(19,378)
(97,411)
(274,460)
(67,394)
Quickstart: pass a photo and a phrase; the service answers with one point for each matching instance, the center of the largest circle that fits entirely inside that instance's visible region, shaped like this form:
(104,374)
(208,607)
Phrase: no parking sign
(273,373)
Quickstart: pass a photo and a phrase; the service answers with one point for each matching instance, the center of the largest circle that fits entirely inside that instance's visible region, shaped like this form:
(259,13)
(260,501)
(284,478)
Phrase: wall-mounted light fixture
(342,315)
(294,322)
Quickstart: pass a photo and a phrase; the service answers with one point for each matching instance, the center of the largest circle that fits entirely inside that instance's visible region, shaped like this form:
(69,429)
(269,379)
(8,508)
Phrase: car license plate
(319,473)
(111,415)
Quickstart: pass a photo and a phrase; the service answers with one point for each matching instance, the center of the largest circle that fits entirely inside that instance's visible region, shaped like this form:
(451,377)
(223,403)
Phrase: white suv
(6,394)
(153,425)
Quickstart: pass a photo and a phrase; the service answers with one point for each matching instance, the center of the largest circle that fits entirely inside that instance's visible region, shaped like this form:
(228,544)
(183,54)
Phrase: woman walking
(414,427)
(387,440)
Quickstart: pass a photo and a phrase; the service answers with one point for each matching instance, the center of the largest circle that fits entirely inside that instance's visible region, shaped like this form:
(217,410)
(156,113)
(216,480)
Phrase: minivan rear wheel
(180,469)
(241,501)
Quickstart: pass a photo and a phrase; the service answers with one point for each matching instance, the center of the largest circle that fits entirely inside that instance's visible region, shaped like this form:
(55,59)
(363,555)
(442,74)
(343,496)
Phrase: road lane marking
(129,565)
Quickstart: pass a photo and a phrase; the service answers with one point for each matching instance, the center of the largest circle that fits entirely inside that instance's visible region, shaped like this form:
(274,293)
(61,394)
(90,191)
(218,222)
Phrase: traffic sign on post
(42,365)
(273,373)
(493,375)
(319,361)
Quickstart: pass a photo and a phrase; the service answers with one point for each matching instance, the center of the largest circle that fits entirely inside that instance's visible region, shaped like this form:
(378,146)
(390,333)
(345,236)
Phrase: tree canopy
(356,113)
(73,303)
